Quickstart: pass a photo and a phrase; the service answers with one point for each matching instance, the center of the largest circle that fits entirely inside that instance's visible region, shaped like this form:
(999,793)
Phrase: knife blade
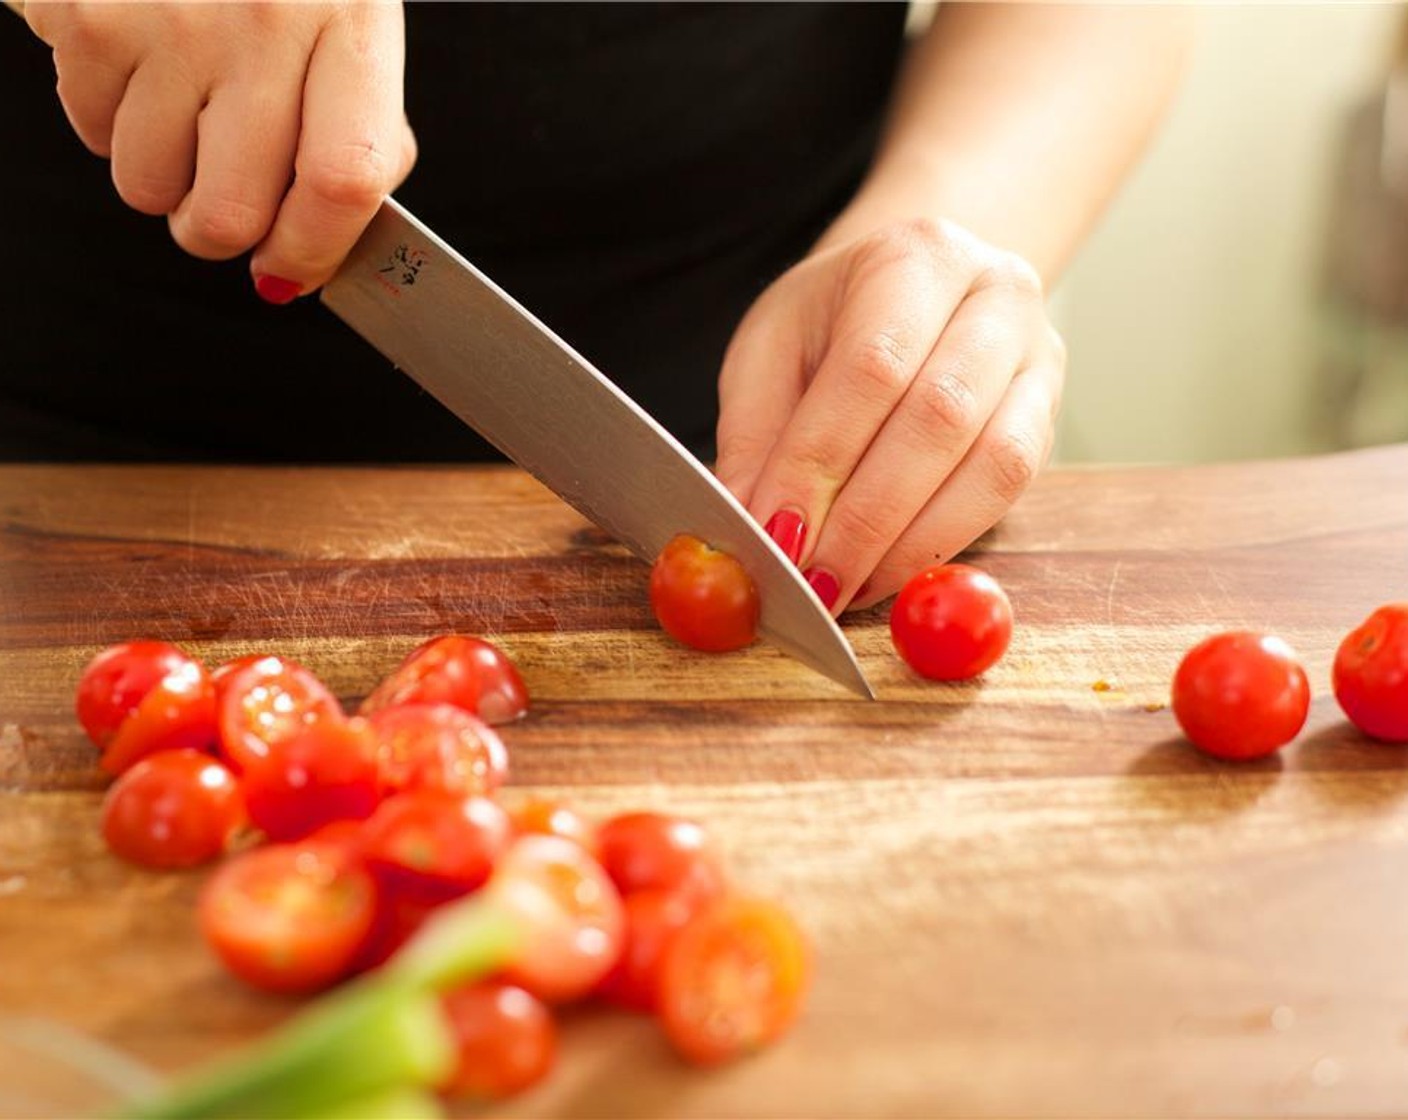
(504,373)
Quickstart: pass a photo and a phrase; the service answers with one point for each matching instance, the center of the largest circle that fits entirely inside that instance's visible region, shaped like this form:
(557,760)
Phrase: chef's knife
(489,361)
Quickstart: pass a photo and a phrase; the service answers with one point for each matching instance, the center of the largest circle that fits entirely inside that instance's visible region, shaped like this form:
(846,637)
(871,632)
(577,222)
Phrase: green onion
(375,1038)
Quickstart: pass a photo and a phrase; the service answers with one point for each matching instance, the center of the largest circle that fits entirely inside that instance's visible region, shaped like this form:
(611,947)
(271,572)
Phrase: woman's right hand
(270,127)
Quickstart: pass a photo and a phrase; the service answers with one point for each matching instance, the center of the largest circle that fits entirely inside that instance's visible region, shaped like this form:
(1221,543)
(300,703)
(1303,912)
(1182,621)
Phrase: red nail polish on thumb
(275,289)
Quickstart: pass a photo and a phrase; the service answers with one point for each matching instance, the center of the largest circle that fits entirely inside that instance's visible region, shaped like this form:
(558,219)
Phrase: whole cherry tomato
(505,1040)
(269,700)
(172,809)
(568,908)
(703,597)
(438,746)
(951,622)
(653,917)
(1371,674)
(657,851)
(326,771)
(1240,695)
(431,846)
(468,672)
(289,917)
(733,979)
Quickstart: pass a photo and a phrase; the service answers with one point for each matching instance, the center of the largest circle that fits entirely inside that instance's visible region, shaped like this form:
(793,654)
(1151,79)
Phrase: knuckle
(223,227)
(148,194)
(1014,273)
(1013,461)
(881,364)
(859,529)
(945,405)
(354,177)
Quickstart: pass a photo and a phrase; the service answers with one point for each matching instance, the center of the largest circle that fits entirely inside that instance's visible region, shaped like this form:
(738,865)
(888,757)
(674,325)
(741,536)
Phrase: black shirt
(635,174)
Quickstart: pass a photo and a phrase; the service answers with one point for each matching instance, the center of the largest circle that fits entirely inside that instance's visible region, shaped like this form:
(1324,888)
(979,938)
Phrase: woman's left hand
(885,402)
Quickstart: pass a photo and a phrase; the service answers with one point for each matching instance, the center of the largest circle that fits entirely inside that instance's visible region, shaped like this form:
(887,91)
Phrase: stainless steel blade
(504,373)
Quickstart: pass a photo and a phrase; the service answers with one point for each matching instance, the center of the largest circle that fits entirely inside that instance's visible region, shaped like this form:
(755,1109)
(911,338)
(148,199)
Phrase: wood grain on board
(1028,897)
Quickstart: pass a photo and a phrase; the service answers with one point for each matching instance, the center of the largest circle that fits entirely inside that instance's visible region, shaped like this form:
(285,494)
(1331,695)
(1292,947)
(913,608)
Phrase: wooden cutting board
(1028,896)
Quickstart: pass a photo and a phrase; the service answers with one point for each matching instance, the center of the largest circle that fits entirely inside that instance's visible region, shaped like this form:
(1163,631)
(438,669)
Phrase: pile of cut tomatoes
(339,835)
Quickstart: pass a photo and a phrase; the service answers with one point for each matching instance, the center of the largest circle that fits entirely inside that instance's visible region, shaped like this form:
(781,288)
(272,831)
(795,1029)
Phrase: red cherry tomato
(178,713)
(438,746)
(1371,674)
(431,845)
(733,980)
(325,772)
(1240,695)
(553,818)
(656,851)
(653,917)
(468,672)
(266,701)
(172,809)
(114,683)
(703,597)
(289,917)
(951,622)
(570,911)
(506,1041)
(222,673)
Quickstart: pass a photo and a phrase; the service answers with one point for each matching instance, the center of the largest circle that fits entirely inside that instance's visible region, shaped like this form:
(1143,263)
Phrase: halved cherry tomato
(431,845)
(289,917)
(505,1038)
(951,622)
(222,673)
(178,713)
(570,910)
(172,809)
(438,746)
(326,771)
(468,672)
(733,979)
(114,682)
(1240,695)
(703,597)
(653,917)
(1371,674)
(268,701)
(657,851)
(553,818)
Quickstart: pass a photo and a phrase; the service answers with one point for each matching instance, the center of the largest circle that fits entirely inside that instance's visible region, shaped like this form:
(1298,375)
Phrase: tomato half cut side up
(453,669)
(733,980)
(269,700)
(570,910)
(289,917)
(438,746)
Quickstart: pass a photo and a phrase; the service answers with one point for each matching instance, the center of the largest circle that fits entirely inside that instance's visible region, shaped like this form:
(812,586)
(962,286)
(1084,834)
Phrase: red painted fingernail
(787,528)
(275,289)
(826,585)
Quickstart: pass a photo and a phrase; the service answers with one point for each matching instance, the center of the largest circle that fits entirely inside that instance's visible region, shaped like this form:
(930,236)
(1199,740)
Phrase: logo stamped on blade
(402,268)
